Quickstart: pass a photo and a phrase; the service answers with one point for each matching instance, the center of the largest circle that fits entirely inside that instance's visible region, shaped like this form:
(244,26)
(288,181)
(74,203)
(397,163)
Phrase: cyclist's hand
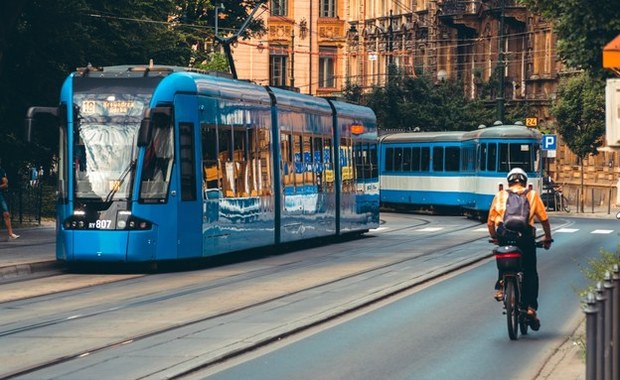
(547,243)
(494,241)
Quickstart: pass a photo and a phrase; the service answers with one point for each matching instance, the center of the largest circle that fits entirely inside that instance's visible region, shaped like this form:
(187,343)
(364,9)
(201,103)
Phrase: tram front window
(104,151)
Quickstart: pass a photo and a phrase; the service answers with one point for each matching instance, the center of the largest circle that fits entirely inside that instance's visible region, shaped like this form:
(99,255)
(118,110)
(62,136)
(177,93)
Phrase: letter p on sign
(549,142)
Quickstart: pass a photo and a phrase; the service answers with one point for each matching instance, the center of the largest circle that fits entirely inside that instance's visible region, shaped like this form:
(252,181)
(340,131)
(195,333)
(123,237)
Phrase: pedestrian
(4,185)
(34,175)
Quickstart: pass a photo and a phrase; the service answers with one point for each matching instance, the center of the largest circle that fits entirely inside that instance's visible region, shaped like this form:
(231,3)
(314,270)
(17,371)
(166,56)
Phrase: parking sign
(549,142)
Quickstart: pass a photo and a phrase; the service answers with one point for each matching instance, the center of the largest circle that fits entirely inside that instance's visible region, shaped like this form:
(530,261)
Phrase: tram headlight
(134,223)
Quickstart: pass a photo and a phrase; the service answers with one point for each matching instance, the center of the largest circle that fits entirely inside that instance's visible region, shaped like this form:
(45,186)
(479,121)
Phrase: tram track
(300,265)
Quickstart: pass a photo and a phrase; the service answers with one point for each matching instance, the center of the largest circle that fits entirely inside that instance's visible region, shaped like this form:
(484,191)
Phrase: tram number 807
(104,224)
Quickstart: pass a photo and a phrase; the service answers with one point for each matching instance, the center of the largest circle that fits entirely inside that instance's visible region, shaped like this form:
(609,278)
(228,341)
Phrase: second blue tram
(162,163)
(460,171)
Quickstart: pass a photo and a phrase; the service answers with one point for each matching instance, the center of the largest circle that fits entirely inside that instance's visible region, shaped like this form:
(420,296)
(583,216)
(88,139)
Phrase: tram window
(374,172)
(406,159)
(308,173)
(453,159)
(227,165)
(389,159)
(328,163)
(425,159)
(468,159)
(288,171)
(298,158)
(438,159)
(483,157)
(398,159)
(492,158)
(240,159)
(515,155)
(188,165)
(157,166)
(415,159)
(209,156)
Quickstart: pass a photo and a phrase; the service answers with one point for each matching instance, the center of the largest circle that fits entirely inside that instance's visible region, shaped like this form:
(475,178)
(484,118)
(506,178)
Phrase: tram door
(189,201)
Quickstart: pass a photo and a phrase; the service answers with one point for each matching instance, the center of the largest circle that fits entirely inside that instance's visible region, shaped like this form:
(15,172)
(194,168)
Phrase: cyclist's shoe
(534,322)
(499,295)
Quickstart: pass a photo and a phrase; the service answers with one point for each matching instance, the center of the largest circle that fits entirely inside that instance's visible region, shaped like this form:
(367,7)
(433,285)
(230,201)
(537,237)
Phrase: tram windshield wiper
(119,182)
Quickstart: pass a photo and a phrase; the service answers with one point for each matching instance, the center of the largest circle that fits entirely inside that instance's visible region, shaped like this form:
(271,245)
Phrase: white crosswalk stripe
(430,229)
(567,230)
(602,231)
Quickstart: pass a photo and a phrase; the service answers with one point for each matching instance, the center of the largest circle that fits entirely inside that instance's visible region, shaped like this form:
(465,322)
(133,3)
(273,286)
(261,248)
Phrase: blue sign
(549,142)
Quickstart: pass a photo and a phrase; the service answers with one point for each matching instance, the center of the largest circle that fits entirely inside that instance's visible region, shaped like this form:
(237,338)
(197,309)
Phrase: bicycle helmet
(517,175)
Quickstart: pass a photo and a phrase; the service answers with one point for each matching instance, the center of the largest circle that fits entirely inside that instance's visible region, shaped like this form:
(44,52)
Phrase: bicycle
(508,259)
(561,202)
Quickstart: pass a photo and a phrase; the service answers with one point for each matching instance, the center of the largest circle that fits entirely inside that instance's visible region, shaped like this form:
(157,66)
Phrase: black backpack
(517,215)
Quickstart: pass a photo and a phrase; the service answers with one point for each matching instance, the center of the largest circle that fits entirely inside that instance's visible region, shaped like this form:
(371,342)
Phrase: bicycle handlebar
(539,243)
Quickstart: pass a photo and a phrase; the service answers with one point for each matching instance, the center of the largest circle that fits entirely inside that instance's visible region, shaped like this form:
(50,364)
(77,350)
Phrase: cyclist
(517,182)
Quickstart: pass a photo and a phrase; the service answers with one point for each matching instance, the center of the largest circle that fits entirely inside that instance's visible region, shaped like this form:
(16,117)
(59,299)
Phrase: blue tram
(447,171)
(165,163)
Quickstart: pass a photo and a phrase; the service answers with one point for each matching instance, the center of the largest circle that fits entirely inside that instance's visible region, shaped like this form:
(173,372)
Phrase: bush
(595,271)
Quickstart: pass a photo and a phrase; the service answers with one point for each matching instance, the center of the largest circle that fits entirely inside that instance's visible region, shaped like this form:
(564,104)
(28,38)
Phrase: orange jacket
(498,207)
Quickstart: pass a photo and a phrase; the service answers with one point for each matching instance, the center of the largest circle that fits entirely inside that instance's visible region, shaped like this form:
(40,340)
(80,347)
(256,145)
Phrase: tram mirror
(32,113)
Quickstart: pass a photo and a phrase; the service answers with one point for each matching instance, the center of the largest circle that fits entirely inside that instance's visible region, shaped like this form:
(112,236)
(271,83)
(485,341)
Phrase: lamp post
(292,57)
(500,66)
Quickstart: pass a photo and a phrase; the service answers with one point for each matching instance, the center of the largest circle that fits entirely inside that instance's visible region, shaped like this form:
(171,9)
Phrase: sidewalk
(33,251)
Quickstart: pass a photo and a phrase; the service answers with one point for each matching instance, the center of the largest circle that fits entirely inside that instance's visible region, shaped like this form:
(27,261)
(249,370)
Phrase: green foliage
(596,268)
(215,62)
(418,104)
(579,111)
(352,92)
(583,28)
(41,42)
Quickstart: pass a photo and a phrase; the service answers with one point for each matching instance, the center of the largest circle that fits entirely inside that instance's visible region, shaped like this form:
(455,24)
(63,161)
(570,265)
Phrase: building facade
(320,46)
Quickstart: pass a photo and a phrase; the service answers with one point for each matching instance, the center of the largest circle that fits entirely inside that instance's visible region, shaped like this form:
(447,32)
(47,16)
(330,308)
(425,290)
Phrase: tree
(579,110)
(408,103)
(41,42)
(583,28)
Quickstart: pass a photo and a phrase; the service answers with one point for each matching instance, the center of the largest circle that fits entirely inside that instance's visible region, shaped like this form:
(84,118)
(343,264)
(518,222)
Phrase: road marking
(568,230)
(430,229)
(481,229)
(602,231)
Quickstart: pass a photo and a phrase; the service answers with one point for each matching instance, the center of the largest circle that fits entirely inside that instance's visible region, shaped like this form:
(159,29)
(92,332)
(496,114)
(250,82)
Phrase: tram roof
(494,132)
(504,132)
(423,136)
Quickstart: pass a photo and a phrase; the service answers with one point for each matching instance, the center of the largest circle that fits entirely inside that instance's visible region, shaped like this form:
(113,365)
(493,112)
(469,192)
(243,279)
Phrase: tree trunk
(581,190)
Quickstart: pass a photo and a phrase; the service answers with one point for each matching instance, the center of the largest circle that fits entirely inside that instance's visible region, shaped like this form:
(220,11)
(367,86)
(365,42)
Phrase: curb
(19,270)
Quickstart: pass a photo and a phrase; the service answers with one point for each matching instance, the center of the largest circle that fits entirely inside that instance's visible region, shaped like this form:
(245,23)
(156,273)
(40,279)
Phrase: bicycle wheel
(512,309)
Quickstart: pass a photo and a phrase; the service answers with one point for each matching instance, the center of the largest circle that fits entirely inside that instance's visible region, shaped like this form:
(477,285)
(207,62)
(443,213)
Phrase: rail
(602,309)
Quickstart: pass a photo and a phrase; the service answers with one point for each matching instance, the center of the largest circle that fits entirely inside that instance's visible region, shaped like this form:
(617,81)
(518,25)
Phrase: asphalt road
(451,330)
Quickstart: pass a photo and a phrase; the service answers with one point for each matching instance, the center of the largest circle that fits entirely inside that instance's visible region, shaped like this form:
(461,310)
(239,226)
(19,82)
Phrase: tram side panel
(358,162)
(307,185)
(236,176)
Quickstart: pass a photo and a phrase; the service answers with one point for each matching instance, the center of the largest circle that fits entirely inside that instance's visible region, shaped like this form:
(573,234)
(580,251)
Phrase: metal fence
(602,311)
(25,203)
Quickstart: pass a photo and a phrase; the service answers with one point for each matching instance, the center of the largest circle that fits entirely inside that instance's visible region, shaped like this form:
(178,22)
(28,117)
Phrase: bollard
(615,327)
(591,320)
(600,331)
(609,304)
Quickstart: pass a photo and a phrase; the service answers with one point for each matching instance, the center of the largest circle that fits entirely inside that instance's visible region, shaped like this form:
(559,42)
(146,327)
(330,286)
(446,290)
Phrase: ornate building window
(279,7)
(278,62)
(328,8)
(327,67)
